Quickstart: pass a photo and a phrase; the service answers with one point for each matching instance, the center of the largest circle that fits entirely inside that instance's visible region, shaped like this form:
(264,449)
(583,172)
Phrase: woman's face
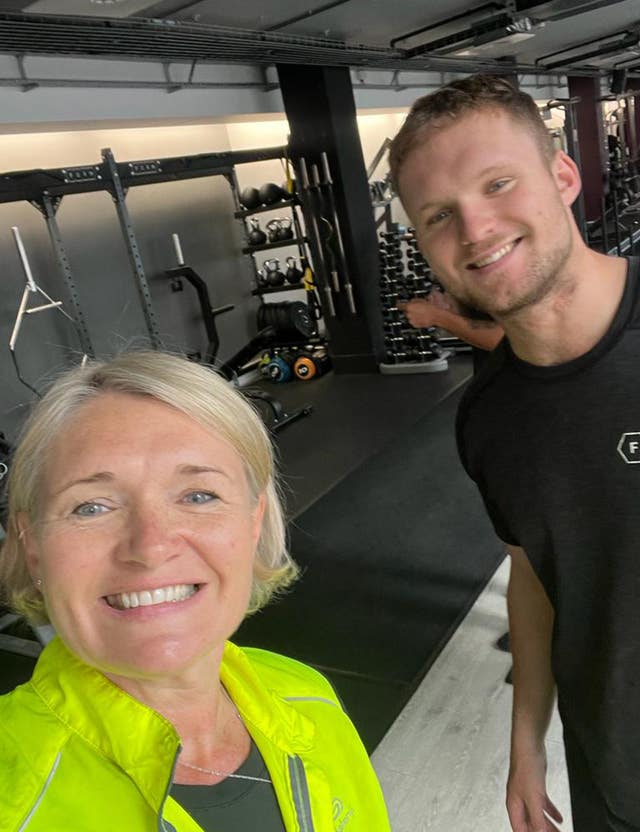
(147,538)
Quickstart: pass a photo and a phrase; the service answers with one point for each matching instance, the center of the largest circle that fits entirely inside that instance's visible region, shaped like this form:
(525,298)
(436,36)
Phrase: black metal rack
(298,241)
(45,189)
(292,241)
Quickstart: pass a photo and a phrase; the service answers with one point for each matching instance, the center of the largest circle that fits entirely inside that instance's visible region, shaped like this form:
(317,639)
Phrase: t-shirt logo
(629,447)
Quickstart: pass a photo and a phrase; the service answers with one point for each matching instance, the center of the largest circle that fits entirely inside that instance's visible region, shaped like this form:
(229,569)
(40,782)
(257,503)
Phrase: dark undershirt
(234,805)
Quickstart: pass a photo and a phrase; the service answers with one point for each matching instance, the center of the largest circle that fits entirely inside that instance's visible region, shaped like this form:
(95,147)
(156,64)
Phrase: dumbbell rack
(404,274)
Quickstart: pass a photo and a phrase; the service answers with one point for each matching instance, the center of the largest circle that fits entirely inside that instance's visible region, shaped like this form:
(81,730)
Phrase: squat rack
(45,189)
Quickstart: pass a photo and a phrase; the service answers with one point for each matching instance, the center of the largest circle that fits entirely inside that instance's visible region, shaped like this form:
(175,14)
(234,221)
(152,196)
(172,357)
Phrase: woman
(144,524)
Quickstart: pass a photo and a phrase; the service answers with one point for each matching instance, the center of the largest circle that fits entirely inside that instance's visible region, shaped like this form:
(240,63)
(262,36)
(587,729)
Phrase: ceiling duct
(604,49)
(470,33)
(161,41)
(561,9)
(514,32)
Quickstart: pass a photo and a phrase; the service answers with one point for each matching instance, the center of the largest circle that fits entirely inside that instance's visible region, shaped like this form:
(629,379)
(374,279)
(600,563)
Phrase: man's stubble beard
(543,278)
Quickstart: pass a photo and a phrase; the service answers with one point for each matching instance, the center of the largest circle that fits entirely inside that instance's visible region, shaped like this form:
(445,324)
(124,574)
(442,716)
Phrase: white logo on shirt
(629,447)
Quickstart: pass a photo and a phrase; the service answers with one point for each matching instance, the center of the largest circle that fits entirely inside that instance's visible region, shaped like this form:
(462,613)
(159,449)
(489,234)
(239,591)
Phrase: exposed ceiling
(580,36)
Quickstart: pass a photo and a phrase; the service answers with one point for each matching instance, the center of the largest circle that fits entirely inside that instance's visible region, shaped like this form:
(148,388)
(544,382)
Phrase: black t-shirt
(234,805)
(555,452)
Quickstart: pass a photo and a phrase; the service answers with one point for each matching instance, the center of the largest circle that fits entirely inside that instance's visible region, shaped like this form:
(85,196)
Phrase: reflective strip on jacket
(77,753)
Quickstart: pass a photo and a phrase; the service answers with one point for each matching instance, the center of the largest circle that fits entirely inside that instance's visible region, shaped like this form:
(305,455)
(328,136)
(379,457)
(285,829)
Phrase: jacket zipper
(27,820)
(300,789)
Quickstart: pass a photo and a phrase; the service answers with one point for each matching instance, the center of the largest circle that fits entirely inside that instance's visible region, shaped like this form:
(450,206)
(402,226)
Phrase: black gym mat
(393,558)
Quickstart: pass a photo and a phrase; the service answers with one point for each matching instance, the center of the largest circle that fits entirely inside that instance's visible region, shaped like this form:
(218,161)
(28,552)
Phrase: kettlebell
(274,276)
(285,232)
(273,230)
(256,236)
(261,278)
(250,198)
(293,273)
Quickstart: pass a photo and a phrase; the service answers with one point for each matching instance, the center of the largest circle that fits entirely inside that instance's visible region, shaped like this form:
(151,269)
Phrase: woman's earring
(38,582)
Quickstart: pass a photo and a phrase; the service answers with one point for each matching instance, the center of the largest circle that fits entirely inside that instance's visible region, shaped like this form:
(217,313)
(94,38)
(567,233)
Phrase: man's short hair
(460,97)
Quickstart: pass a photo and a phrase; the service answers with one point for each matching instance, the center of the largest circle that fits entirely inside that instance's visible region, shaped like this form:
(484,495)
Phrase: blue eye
(89,510)
(498,185)
(436,218)
(199,497)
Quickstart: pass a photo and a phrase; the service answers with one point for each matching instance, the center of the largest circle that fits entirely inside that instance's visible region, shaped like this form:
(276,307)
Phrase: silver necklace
(224,773)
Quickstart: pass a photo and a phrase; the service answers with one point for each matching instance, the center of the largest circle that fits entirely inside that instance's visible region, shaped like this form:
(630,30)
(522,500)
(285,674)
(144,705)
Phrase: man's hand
(528,804)
(421,312)
(443,300)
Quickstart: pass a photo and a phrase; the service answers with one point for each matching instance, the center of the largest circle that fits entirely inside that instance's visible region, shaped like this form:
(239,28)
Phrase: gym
(211,179)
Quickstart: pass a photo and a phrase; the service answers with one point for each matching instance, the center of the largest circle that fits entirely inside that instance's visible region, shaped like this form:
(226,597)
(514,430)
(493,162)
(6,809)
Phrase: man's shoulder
(486,379)
(634,284)
(483,388)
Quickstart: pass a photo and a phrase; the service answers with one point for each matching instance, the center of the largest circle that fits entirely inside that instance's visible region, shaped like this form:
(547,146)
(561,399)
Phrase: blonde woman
(144,524)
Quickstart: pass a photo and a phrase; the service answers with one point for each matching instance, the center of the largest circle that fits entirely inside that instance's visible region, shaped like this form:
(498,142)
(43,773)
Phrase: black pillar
(321,112)
(591,139)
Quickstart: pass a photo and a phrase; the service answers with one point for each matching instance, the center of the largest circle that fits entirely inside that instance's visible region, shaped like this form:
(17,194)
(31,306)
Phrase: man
(544,431)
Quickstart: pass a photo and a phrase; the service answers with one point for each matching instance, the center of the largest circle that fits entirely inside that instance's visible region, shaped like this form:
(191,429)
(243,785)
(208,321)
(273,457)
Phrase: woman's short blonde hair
(190,388)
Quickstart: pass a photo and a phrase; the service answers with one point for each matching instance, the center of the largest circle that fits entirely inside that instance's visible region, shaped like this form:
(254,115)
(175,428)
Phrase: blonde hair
(190,388)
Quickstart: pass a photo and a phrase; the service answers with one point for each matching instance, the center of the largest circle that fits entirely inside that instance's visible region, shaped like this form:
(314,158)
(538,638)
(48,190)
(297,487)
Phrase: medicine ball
(270,193)
(250,198)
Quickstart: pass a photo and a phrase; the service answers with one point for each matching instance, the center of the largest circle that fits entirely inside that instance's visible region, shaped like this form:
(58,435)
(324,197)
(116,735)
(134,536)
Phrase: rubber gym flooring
(393,554)
(391,535)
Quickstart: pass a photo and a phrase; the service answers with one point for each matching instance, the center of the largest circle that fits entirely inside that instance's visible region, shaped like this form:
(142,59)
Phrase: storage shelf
(270,290)
(275,206)
(293,241)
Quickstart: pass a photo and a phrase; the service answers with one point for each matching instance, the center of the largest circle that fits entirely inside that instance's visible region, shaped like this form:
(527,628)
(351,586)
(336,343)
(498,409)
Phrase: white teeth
(147,598)
(492,258)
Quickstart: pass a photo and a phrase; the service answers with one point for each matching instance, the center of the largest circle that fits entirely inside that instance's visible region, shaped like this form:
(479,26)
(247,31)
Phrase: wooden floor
(443,764)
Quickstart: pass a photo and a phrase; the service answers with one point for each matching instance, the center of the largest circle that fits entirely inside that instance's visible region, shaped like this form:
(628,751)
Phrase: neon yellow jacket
(77,753)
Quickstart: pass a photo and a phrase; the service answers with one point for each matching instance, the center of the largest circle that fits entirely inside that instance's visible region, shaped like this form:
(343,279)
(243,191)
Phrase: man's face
(491,214)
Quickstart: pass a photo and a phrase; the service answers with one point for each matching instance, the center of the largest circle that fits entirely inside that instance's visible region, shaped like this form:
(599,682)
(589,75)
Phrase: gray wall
(200,211)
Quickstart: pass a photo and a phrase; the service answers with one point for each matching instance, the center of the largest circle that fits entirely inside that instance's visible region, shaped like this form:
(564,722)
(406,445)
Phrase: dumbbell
(279,368)
(389,297)
(310,365)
